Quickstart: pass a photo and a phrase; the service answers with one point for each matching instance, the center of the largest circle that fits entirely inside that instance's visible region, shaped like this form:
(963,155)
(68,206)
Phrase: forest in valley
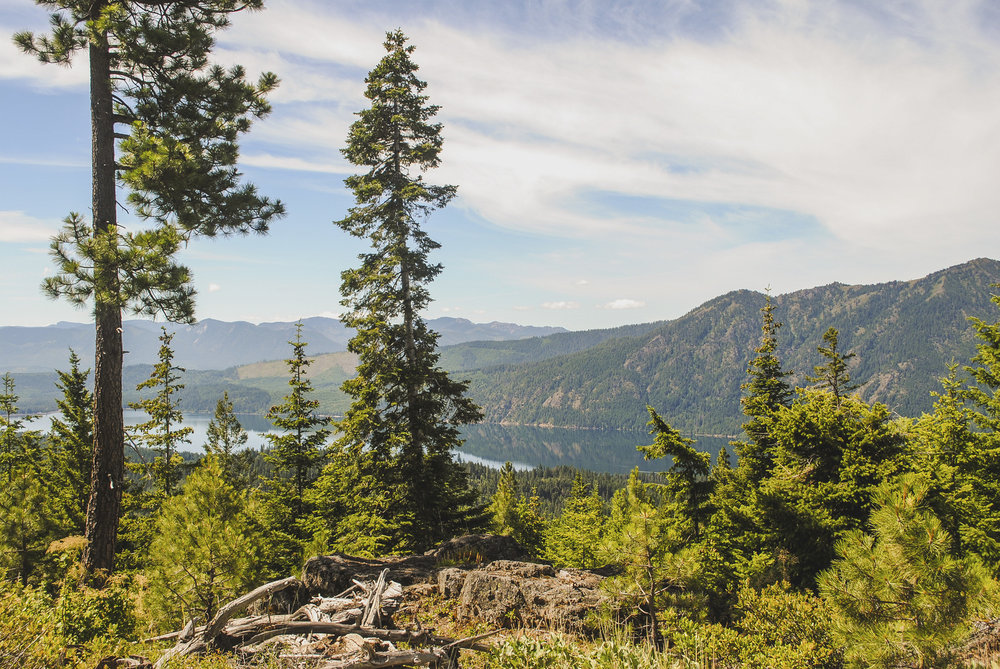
(834,532)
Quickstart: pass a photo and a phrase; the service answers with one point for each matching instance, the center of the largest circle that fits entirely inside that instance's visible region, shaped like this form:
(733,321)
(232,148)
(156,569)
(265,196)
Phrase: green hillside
(690,369)
(904,334)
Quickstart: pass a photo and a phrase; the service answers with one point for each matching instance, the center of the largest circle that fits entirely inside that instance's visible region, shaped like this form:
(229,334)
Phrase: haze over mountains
(904,334)
(212,344)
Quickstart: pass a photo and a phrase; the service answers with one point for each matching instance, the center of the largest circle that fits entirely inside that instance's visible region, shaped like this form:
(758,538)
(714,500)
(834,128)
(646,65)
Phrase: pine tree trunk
(104,504)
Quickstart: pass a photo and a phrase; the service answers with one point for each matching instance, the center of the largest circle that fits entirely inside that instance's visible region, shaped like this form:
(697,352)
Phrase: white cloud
(878,132)
(560,305)
(18,228)
(214,287)
(624,303)
(15,64)
(290,163)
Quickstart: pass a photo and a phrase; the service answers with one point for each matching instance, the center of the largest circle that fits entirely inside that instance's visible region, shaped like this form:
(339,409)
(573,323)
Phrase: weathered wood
(202,642)
(399,658)
(373,606)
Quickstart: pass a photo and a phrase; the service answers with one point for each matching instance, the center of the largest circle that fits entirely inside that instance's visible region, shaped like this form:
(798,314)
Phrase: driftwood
(350,631)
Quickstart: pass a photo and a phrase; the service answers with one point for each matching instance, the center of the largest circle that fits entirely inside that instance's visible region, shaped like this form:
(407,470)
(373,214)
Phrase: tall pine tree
(406,411)
(178,120)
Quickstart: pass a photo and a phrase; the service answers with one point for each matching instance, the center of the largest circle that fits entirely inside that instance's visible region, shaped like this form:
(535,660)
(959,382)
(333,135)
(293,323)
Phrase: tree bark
(104,505)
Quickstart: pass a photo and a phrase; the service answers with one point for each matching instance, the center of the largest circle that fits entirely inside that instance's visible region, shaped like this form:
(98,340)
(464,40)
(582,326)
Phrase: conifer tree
(297,452)
(201,556)
(225,436)
(72,436)
(518,516)
(688,476)
(178,120)
(765,391)
(11,427)
(574,537)
(902,598)
(296,455)
(162,432)
(833,374)
(406,411)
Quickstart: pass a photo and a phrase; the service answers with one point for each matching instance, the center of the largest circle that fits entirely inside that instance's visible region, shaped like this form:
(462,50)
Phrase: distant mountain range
(904,334)
(212,344)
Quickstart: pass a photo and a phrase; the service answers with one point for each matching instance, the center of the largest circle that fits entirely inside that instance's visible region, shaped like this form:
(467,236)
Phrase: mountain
(213,344)
(904,334)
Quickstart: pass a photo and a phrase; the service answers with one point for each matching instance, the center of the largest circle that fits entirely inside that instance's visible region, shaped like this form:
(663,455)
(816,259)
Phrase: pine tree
(72,437)
(201,556)
(225,437)
(162,432)
(902,598)
(150,76)
(406,411)
(833,374)
(574,537)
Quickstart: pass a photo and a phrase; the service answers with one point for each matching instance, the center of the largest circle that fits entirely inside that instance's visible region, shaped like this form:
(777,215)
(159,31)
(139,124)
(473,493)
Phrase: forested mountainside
(213,344)
(904,333)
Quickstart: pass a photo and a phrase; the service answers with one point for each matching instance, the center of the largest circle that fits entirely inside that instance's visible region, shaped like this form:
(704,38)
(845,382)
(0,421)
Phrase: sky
(616,161)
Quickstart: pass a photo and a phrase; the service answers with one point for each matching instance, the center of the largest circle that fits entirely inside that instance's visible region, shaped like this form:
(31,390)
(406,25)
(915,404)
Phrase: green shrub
(83,614)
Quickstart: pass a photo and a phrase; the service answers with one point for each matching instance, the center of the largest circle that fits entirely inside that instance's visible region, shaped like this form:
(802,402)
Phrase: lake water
(526,447)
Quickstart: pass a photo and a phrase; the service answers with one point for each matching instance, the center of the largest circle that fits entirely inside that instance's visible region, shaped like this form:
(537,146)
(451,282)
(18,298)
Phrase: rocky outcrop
(507,593)
(486,575)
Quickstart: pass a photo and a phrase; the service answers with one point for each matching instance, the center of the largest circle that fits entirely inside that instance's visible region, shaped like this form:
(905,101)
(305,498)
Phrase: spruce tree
(406,411)
(765,390)
(162,432)
(71,438)
(688,477)
(833,374)
(296,455)
(176,119)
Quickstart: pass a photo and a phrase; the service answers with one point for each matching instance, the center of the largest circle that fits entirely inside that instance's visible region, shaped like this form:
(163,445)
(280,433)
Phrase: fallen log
(344,640)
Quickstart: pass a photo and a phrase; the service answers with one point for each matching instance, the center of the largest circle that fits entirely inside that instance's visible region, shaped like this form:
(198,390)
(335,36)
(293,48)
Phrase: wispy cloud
(624,303)
(879,126)
(19,228)
(560,305)
(291,163)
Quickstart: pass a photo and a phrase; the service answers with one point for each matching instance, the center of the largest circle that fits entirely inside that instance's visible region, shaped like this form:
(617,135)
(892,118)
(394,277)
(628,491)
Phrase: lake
(610,451)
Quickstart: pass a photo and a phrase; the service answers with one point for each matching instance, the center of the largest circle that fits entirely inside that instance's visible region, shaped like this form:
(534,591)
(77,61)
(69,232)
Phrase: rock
(329,575)
(450,581)
(521,569)
(492,599)
(507,593)
(479,549)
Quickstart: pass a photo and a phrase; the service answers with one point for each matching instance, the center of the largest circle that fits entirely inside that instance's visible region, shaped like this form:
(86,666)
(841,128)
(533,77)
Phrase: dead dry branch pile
(353,630)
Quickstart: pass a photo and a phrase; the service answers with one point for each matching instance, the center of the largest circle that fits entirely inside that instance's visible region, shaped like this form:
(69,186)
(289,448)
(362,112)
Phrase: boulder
(478,549)
(506,593)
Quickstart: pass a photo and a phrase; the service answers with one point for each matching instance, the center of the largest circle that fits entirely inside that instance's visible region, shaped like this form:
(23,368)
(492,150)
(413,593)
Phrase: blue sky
(617,162)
